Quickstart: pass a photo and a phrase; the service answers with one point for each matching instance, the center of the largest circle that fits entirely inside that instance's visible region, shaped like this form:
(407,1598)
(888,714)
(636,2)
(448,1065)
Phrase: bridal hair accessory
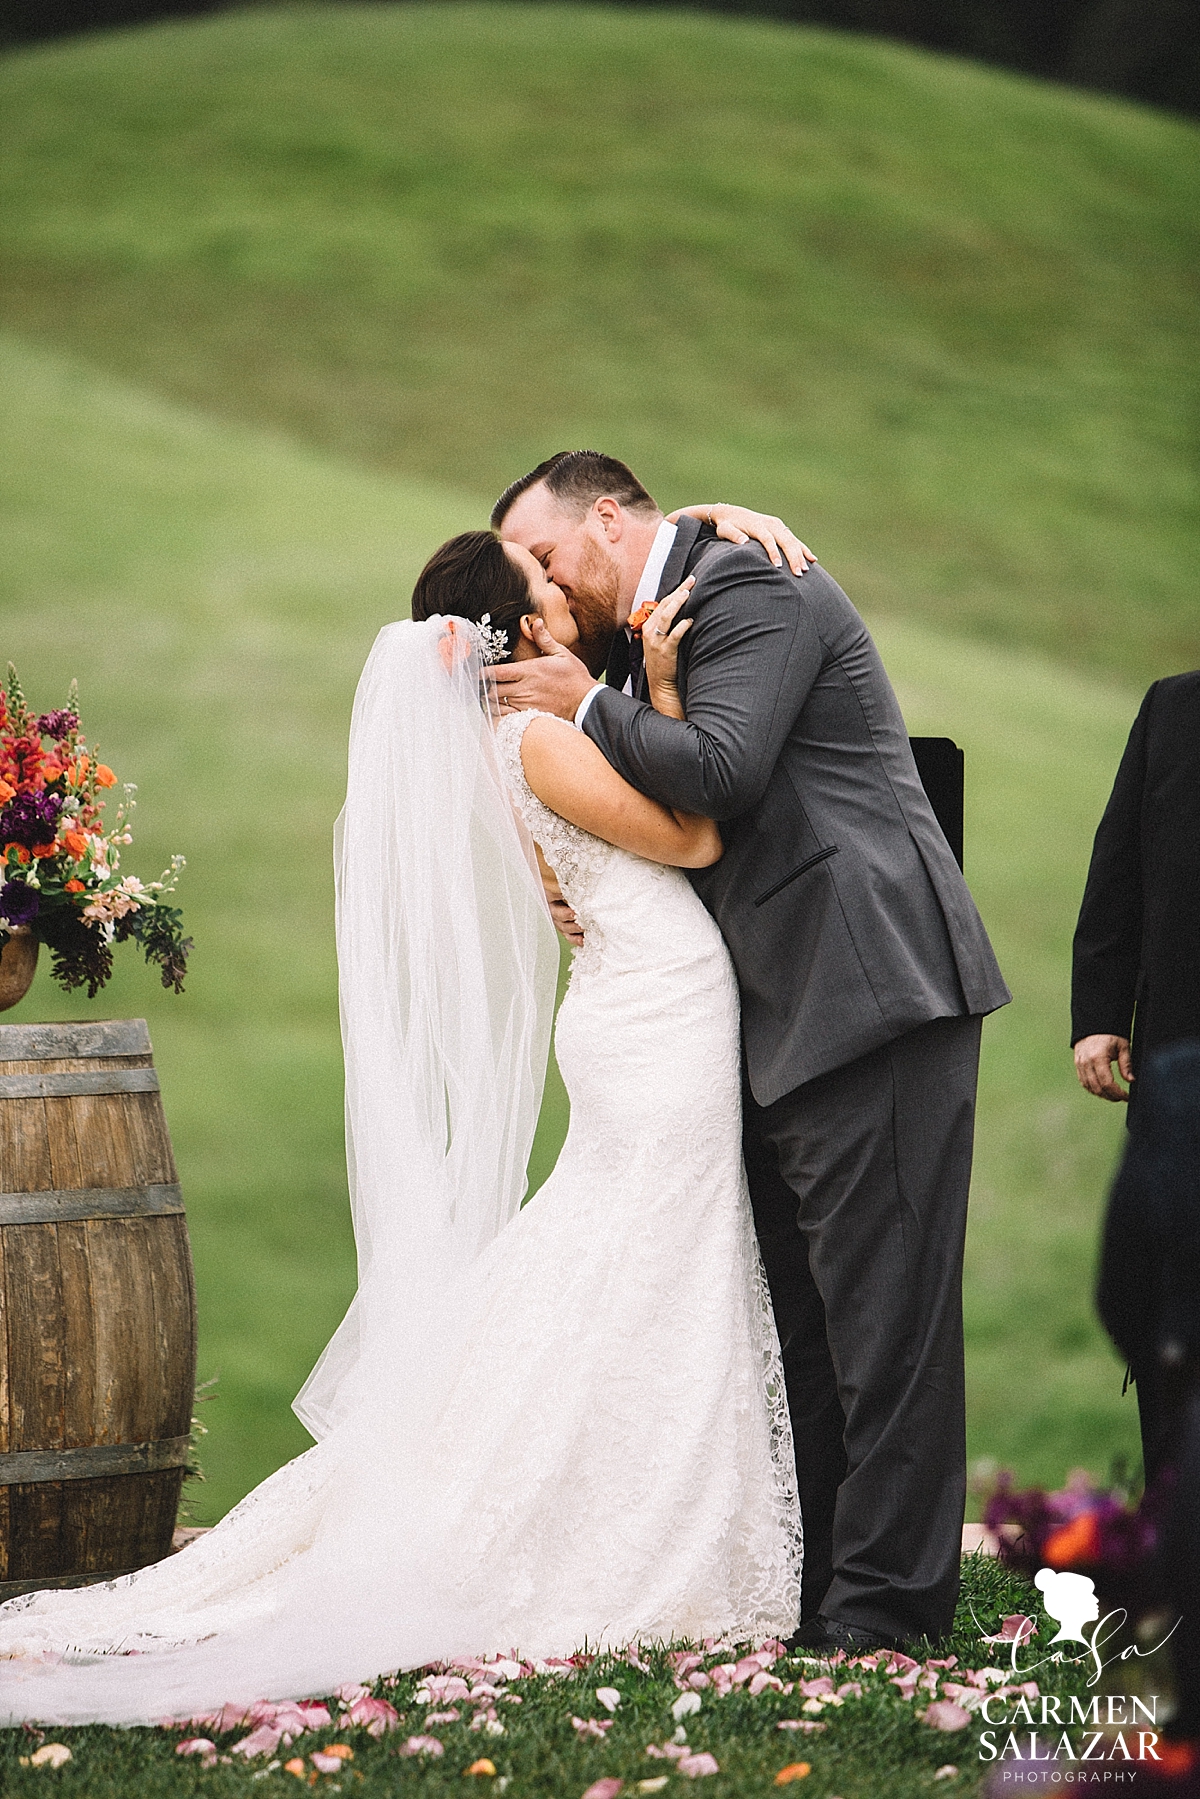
(493,640)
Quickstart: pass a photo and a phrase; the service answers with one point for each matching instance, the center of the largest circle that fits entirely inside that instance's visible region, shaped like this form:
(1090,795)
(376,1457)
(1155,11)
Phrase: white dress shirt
(647,589)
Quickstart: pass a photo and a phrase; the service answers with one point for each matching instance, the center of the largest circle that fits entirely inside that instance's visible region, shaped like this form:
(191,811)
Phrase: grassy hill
(291,293)
(943,316)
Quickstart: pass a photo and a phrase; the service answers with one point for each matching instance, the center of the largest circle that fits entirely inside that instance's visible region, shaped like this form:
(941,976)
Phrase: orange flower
(22,852)
(6,792)
(75,887)
(76,842)
(105,776)
(42,850)
(1078,1541)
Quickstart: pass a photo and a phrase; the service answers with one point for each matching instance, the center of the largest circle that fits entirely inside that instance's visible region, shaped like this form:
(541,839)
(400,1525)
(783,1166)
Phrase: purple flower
(18,902)
(30,819)
(58,724)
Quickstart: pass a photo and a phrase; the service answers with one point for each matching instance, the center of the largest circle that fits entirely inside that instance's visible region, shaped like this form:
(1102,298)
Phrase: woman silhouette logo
(1070,1600)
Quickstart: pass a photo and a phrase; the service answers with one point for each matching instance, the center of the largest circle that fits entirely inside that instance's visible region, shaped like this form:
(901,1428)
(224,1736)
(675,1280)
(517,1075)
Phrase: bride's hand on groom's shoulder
(555,682)
(738,524)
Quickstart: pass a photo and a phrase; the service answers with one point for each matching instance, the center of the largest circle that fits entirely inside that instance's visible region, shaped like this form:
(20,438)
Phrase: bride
(537,1425)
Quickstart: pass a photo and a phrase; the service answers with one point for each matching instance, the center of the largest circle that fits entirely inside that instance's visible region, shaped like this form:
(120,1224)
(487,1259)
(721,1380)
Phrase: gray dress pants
(859,1184)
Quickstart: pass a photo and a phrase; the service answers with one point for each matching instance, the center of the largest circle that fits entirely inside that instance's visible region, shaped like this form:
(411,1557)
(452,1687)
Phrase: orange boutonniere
(638,618)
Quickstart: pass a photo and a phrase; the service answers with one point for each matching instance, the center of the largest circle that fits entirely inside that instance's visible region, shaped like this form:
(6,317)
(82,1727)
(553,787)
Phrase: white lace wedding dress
(596,1446)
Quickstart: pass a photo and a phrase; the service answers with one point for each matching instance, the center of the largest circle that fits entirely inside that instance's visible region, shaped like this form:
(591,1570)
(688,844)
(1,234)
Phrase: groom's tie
(625,662)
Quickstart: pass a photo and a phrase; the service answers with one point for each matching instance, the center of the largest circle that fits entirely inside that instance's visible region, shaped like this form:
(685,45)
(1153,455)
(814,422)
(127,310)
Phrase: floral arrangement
(60,873)
(1084,1526)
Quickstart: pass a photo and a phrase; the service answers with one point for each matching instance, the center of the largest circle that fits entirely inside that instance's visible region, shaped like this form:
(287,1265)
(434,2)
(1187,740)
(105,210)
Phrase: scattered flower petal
(195,1746)
(482,1766)
(696,1766)
(608,1788)
(296,1766)
(686,1706)
(50,1755)
(800,1724)
(793,1771)
(944,1714)
(421,1746)
(653,1786)
(326,1764)
(450,1717)
(949,1772)
(609,1698)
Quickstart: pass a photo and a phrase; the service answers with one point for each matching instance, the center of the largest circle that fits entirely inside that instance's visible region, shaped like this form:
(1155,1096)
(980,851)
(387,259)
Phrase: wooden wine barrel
(97,1307)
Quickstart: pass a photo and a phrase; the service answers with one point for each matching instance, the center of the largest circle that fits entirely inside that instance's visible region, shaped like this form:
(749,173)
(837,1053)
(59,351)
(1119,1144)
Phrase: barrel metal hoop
(64,1086)
(96,1461)
(61,1205)
(62,1042)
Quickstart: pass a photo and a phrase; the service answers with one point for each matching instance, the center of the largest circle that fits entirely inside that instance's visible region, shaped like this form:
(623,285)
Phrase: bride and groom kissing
(709,1381)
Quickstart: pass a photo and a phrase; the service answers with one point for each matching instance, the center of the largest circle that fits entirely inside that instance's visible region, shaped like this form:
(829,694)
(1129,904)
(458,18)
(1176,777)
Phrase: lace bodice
(576,857)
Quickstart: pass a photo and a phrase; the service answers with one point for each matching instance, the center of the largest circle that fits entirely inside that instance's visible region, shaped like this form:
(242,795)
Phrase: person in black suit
(1135,982)
(1136,976)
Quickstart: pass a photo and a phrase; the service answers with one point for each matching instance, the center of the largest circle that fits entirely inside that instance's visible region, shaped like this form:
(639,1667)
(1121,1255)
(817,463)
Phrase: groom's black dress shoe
(827,1634)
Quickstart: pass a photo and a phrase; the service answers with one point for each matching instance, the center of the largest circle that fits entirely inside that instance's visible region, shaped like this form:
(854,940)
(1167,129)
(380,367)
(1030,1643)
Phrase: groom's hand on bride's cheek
(555,682)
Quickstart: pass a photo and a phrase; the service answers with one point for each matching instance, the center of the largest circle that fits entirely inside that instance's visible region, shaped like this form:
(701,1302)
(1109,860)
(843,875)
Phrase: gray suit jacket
(844,910)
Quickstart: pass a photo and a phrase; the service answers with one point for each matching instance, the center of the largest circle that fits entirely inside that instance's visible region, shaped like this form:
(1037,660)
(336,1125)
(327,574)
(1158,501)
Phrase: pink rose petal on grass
(1016,1628)
(195,1746)
(695,1766)
(376,1714)
(608,1788)
(800,1724)
(591,1727)
(421,1746)
(263,1741)
(326,1764)
(943,1714)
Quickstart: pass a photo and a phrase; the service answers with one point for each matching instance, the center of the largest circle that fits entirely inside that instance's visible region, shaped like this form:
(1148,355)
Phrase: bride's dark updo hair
(470,575)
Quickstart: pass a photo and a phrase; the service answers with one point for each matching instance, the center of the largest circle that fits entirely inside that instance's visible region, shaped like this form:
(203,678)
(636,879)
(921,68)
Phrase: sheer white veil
(447,962)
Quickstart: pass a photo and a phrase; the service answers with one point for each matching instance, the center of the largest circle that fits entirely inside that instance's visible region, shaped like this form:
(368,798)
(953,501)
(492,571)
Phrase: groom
(864,972)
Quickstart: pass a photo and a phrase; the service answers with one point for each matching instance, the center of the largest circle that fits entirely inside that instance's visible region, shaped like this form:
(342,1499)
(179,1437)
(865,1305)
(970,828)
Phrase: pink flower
(1016,1628)
(376,1714)
(195,1746)
(421,1746)
(683,1663)
(815,1689)
(943,1714)
(591,1727)
(722,1677)
(695,1766)
(608,1788)
(263,1741)
(761,1682)
(443,1687)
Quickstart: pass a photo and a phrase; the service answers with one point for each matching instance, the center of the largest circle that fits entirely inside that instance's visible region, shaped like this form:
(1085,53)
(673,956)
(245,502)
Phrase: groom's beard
(593,600)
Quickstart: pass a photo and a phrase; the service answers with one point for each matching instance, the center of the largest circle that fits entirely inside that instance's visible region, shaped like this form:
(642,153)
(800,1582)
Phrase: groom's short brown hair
(577,479)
